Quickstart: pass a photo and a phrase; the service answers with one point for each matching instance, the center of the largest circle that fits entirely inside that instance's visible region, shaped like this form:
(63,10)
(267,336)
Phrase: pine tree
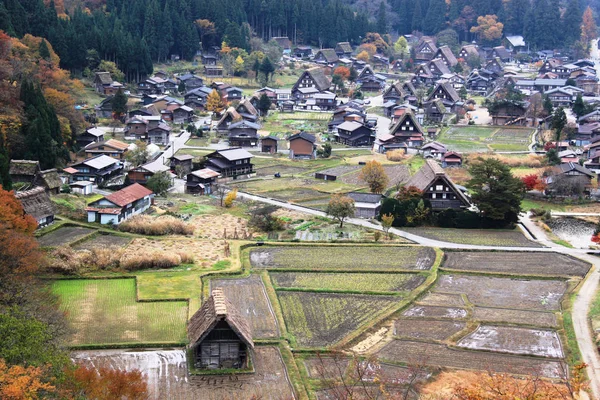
(264,104)
(436,17)
(44,51)
(571,23)
(5,180)
(119,104)
(548,107)
(417,17)
(382,18)
(579,106)
(267,67)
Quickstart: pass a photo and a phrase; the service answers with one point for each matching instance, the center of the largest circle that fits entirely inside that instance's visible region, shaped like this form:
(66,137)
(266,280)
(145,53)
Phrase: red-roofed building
(119,206)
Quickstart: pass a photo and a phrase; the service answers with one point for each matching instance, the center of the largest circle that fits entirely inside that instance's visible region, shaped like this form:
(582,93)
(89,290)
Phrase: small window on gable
(439,187)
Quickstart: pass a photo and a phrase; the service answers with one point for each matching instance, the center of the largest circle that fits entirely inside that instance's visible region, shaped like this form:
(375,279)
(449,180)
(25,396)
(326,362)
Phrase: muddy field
(103,241)
(248,295)
(426,329)
(63,236)
(515,263)
(166,371)
(322,319)
(405,351)
(540,295)
(442,299)
(205,253)
(514,340)
(381,258)
(524,317)
(360,282)
(435,312)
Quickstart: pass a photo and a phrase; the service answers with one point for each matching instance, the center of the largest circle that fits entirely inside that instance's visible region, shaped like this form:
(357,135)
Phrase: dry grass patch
(220,226)
(188,250)
(164,225)
(529,160)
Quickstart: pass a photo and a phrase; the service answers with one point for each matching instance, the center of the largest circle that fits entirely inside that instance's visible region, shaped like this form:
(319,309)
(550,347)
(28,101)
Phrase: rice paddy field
(105,311)
(64,235)
(482,237)
(475,139)
(354,258)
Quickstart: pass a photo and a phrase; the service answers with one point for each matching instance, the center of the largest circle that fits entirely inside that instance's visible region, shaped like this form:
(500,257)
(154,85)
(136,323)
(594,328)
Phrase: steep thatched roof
(50,179)
(429,174)
(24,167)
(246,103)
(447,54)
(36,202)
(329,55)
(104,78)
(217,308)
(321,80)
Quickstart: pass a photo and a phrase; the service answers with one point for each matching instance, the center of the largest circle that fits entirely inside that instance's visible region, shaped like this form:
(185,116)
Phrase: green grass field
(471,139)
(106,312)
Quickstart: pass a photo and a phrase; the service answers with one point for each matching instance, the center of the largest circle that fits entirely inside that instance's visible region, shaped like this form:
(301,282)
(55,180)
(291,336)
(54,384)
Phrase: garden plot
(540,295)
(205,253)
(282,169)
(248,295)
(322,319)
(426,329)
(365,282)
(439,355)
(482,237)
(507,139)
(442,299)
(395,173)
(436,312)
(517,263)
(514,340)
(64,235)
(366,392)
(355,258)
(102,241)
(342,170)
(220,226)
(520,317)
(105,311)
(298,195)
(323,366)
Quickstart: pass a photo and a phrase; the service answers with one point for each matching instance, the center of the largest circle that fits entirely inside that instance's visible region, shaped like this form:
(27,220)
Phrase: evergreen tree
(579,106)
(119,104)
(548,107)
(44,51)
(382,18)
(264,104)
(267,67)
(5,180)
(404,19)
(559,120)
(571,24)
(417,17)
(436,17)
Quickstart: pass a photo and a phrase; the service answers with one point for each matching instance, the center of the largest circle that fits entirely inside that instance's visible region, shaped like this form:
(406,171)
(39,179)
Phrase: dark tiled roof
(303,135)
(365,197)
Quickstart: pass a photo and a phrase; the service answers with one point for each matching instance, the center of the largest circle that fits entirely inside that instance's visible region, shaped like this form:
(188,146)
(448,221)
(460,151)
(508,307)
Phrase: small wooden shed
(219,337)
(269,144)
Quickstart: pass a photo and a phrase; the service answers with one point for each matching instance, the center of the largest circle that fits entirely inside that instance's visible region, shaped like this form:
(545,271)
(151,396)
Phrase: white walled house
(119,206)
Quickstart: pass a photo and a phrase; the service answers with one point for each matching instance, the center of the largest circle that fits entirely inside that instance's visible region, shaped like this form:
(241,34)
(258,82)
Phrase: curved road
(582,302)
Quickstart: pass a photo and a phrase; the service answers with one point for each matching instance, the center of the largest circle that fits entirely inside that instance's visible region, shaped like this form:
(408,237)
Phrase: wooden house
(37,204)
(430,72)
(153,85)
(325,101)
(90,135)
(112,148)
(184,161)
(102,80)
(269,144)
(104,109)
(468,51)
(343,50)
(196,98)
(182,114)
(515,44)
(451,159)
(303,145)
(201,181)
(209,59)
(121,205)
(50,181)
(302,51)
(326,57)
(219,337)
(352,133)
(445,54)
(213,71)
(243,134)
(366,205)
(230,116)
(393,93)
(143,173)
(98,169)
(433,150)
(438,188)
(310,82)
(509,112)
(495,65)
(501,53)
(565,179)
(404,134)
(425,49)
(231,162)
(191,81)
(24,172)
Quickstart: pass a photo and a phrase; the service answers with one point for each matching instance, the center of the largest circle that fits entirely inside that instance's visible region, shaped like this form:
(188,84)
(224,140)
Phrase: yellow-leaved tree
(214,102)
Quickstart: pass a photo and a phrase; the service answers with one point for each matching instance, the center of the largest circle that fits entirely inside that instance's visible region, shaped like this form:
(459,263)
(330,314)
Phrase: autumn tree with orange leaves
(342,71)
(589,30)
(107,384)
(20,383)
(488,28)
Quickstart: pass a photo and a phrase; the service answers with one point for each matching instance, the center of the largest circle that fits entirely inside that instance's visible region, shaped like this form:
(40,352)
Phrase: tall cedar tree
(496,192)
(119,104)
(264,104)
(417,17)
(571,24)
(435,17)
(579,106)
(382,21)
(558,123)
(267,67)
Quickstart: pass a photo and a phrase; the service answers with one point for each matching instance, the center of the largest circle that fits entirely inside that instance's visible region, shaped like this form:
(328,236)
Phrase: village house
(269,144)
(302,51)
(190,81)
(404,134)
(143,173)
(370,81)
(243,134)
(326,57)
(438,188)
(151,129)
(353,133)
(325,101)
(479,82)
(84,188)
(564,96)
(501,53)
(441,101)
(303,146)
(104,109)
(345,113)
(104,84)
(230,163)
(209,59)
(112,148)
(230,116)
(196,98)
(445,54)
(393,93)
(98,169)
(90,135)
(219,337)
(311,81)
(154,85)
(515,43)
(185,161)
(27,174)
(37,204)
(509,113)
(451,159)
(495,65)
(433,150)
(121,205)
(284,42)
(213,71)
(201,181)
(430,72)
(425,49)
(569,179)
(366,205)
(343,50)
(469,51)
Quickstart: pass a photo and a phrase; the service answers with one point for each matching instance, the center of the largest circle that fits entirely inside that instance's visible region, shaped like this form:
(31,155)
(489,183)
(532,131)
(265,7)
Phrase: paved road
(574,214)
(583,332)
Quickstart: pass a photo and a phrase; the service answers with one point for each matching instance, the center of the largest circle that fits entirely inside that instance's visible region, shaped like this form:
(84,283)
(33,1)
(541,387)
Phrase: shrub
(64,260)
(165,225)
(150,261)
(395,155)
(67,261)
(230,197)
(377,236)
